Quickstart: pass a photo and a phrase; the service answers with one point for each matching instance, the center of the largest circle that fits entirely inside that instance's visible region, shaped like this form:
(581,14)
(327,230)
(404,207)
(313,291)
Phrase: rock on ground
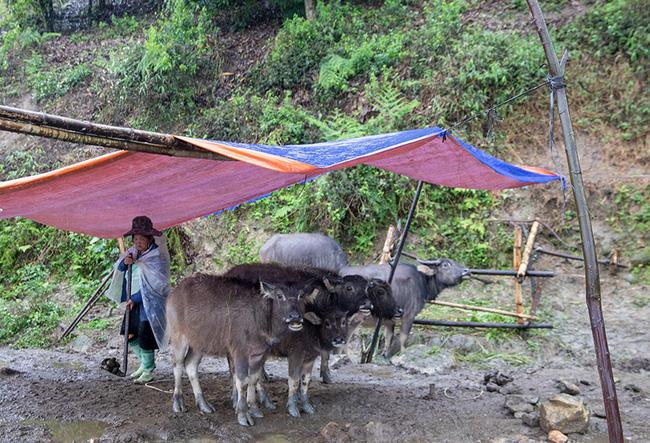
(564,413)
(557,437)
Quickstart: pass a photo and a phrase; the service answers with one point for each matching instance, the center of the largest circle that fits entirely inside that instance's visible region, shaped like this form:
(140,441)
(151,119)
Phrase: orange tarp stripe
(261,159)
(96,162)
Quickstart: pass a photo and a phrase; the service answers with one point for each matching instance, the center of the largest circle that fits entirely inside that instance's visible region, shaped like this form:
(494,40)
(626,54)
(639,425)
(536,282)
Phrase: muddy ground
(437,395)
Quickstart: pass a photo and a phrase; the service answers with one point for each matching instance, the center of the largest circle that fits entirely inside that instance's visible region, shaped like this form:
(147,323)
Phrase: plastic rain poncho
(153,268)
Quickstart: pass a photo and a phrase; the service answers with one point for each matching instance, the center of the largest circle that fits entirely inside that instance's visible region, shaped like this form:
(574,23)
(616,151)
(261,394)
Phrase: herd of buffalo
(301,302)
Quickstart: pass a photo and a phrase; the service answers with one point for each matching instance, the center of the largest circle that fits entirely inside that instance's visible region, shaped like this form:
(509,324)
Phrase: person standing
(149,260)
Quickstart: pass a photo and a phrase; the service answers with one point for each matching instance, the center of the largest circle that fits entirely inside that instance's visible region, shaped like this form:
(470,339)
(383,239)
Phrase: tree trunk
(310,9)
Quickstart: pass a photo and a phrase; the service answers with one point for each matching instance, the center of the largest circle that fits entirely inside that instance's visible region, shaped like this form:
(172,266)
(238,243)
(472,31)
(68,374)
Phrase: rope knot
(556,82)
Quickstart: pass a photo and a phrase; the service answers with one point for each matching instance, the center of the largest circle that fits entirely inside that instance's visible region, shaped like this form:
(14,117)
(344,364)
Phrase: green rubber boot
(148,365)
(133,344)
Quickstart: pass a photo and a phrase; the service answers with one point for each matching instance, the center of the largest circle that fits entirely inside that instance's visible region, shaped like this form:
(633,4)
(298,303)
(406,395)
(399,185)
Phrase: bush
(163,72)
(614,27)
(45,84)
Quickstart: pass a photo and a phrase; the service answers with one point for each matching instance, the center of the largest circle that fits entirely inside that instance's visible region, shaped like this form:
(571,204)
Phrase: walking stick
(126,319)
(87,307)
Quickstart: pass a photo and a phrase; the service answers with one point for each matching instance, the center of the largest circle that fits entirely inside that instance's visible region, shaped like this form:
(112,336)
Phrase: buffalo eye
(328,325)
(445,265)
(343,321)
(349,288)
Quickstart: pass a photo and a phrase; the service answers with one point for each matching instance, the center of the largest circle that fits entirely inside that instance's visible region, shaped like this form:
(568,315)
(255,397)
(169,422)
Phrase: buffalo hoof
(204,406)
(255,412)
(267,402)
(308,408)
(292,407)
(245,419)
(177,403)
(327,378)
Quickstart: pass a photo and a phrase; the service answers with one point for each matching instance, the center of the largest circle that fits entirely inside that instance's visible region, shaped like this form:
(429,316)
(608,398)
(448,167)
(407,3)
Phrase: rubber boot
(149,364)
(133,344)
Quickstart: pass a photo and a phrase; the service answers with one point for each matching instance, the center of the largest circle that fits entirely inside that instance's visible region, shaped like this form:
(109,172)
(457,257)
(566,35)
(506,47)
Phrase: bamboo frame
(530,241)
(483,309)
(77,131)
(388,245)
(592,278)
(516,262)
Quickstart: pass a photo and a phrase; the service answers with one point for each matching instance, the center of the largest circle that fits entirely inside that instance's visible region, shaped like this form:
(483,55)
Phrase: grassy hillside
(208,69)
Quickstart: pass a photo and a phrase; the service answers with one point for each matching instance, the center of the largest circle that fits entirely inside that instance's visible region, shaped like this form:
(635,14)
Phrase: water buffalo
(412,287)
(214,315)
(384,306)
(304,249)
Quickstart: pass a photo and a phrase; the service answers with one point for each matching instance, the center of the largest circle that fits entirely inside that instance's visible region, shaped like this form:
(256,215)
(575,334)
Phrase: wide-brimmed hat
(143,225)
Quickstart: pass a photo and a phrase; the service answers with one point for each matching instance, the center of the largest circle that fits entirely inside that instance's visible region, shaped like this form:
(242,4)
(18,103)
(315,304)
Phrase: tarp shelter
(100,196)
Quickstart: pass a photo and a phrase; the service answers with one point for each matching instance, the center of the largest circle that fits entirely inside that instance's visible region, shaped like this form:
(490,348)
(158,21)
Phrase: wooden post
(613,262)
(388,245)
(523,267)
(120,244)
(516,263)
(592,278)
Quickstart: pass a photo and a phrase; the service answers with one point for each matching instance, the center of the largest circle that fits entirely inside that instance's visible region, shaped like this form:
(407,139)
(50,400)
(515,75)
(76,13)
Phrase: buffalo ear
(426,270)
(270,291)
(312,318)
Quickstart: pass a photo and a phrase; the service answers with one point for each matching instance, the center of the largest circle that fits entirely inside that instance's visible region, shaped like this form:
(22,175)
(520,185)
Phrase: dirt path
(63,396)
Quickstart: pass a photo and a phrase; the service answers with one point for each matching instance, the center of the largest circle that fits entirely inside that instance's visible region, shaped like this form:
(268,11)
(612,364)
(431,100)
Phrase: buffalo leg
(263,396)
(241,381)
(389,331)
(325,374)
(256,363)
(295,369)
(404,331)
(178,356)
(192,362)
(307,407)
(234,397)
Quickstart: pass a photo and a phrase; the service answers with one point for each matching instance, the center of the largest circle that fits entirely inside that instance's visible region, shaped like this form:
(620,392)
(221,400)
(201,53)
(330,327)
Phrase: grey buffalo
(412,287)
(304,249)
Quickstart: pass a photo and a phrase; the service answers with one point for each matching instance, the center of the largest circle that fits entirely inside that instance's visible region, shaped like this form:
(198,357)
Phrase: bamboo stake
(592,278)
(516,261)
(523,267)
(77,131)
(482,309)
(388,245)
(120,244)
(475,324)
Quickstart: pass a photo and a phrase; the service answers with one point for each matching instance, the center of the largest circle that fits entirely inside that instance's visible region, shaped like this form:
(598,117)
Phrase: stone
(530,419)
(557,437)
(641,258)
(566,387)
(333,432)
(497,378)
(517,403)
(492,387)
(519,414)
(464,343)
(564,413)
(510,389)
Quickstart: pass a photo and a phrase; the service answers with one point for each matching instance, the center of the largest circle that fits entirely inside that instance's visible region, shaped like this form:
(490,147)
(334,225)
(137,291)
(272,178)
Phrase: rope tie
(555,83)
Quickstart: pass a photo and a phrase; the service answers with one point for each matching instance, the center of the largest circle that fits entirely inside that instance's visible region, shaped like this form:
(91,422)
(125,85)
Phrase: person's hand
(129,260)
(130,304)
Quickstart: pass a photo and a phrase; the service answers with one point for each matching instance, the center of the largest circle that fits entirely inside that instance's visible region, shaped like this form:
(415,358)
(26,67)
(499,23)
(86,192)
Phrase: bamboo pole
(575,257)
(516,262)
(482,309)
(530,241)
(592,278)
(78,131)
(120,244)
(474,324)
(388,245)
